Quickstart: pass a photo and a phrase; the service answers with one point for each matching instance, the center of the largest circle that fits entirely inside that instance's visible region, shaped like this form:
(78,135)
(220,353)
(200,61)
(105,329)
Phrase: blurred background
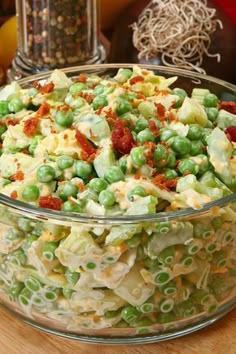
(116,34)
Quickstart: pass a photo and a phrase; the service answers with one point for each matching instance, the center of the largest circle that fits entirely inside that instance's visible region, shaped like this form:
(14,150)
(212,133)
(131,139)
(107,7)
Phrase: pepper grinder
(55,34)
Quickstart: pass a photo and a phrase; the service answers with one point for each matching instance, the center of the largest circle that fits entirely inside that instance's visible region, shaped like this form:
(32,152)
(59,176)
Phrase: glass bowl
(193,279)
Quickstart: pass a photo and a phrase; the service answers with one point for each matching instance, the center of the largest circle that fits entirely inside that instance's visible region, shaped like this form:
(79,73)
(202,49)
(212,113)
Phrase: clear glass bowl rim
(59,216)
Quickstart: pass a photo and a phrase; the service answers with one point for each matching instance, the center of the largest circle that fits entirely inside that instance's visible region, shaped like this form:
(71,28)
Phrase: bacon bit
(172,116)
(99,110)
(64,108)
(137,175)
(14,195)
(18,176)
(141,96)
(153,127)
(81,186)
(164,92)
(229,106)
(87,96)
(84,144)
(65,136)
(144,72)
(162,182)
(10,121)
(110,113)
(160,109)
(81,78)
(135,79)
(36,84)
(43,110)
(187,172)
(50,202)
(47,88)
(31,126)
(25,151)
(122,138)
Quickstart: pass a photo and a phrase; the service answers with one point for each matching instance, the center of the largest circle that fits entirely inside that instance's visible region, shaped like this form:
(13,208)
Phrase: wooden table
(19,338)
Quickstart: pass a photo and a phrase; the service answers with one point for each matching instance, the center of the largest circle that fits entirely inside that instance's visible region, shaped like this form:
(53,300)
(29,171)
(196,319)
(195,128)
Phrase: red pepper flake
(229,106)
(31,126)
(10,121)
(135,79)
(50,202)
(18,176)
(82,78)
(84,143)
(47,88)
(160,109)
(137,176)
(43,109)
(153,127)
(122,138)
(14,195)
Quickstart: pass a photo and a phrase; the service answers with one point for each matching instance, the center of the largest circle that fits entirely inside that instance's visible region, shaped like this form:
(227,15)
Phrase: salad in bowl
(117,198)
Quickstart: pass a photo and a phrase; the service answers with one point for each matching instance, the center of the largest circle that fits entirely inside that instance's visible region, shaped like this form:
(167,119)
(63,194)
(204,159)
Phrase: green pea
(123,75)
(77,87)
(71,276)
(129,314)
(32,284)
(145,135)
(3,128)
(138,190)
(14,291)
(15,105)
(25,296)
(18,257)
(83,168)
(178,103)
(67,190)
(4,108)
(30,193)
(140,125)
(194,132)
(91,265)
(123,164)
(181,145)
(99,89)
(160,152)
(210,100)
(48,250)
(72,207)
(65,161)
(166,134)
(171,159)
(196,147)
(205,133)
(179,92)
(64,118)
(99,101)
(34,142)
(114,174)
(97,184)
(45,174)
(134,241)
(123,106)
(169,173)
(25,224)
(67,293)
(212,113)
(107,198)
(188,166)
(75,103)
(137,156)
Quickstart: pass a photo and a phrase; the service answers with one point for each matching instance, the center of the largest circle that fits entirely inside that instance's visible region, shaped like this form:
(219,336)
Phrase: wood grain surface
(19,338)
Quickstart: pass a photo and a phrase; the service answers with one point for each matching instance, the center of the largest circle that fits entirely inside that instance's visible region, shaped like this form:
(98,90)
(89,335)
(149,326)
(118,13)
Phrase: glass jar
(55,34)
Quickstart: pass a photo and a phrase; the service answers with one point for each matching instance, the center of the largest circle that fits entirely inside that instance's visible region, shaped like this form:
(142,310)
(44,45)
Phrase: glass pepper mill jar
(55,34)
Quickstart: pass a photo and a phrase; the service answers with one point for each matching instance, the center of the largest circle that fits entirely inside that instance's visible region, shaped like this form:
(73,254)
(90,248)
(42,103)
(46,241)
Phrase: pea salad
(127,145)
